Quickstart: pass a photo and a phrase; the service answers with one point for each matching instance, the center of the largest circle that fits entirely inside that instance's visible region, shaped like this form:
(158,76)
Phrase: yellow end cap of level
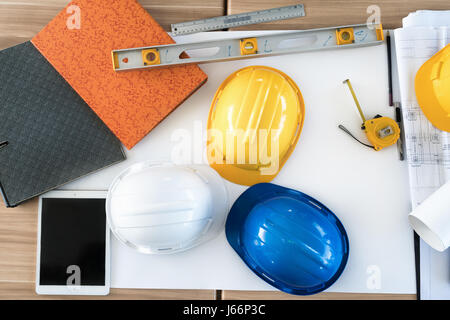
(345,36)
(151,57)
(115,60)
(249,46)
(432,86)
(380,33)
(374,126)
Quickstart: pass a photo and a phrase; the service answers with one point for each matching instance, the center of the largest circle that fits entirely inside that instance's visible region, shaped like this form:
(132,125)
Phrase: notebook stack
(64,111)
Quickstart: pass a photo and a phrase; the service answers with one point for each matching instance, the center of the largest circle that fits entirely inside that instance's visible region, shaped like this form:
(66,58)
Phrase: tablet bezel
(74,290)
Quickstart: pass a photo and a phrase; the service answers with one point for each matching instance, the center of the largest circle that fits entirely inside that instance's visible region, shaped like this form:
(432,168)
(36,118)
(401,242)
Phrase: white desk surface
(367,190)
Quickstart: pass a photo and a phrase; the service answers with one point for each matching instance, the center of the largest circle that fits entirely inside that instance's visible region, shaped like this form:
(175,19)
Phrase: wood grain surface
(20,20)
(18,233)
(327,13)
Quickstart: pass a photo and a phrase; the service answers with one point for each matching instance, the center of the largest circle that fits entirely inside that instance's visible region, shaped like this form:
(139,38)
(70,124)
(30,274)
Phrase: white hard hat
(166,208)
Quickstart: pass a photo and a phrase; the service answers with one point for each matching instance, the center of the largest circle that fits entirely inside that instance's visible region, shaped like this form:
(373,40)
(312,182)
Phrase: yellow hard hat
(254,123)
(433,89)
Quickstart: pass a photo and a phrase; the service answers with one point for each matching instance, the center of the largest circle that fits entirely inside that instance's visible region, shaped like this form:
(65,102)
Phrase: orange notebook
(78,43)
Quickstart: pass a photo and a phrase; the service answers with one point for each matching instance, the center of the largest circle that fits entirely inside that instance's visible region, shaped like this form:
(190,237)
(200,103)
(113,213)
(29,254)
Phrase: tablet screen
(73,240)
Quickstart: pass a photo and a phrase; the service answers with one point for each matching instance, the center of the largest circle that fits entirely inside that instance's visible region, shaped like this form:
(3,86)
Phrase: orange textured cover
(131,103)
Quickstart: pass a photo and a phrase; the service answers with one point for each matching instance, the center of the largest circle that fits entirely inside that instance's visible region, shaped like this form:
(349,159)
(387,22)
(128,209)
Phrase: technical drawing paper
(427,148)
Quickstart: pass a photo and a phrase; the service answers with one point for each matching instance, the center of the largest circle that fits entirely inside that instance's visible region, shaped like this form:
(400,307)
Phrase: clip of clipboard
(3,144)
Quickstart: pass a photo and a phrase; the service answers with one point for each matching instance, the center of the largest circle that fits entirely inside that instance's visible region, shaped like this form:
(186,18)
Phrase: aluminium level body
(251,47)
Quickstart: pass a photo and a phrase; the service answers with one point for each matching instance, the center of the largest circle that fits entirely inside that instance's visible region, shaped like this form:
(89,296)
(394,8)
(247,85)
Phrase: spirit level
(253,47)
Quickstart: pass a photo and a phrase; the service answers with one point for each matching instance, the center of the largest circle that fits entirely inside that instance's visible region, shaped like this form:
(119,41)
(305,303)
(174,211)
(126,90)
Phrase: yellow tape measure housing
(382,132)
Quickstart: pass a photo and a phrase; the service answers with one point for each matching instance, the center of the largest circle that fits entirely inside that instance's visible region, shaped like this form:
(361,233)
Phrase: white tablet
(73,250)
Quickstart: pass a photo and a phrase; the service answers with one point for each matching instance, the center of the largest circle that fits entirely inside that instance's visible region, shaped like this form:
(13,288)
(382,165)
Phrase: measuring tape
(243,48)
(240,19)
(381,131)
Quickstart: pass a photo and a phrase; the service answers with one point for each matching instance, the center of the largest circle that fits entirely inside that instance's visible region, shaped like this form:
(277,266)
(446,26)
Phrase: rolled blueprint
(431,219)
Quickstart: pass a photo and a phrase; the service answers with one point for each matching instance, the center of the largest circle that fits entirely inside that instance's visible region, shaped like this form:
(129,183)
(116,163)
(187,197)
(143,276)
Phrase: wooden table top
(20,20)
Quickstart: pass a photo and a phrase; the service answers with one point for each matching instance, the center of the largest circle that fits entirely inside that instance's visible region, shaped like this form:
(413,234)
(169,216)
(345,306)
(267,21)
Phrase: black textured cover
(53,136)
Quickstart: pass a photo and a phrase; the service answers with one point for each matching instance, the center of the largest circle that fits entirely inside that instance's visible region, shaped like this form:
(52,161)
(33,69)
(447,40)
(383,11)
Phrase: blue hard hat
(287,238)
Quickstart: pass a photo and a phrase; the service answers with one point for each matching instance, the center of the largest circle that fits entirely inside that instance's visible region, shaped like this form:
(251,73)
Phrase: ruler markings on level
(240,19)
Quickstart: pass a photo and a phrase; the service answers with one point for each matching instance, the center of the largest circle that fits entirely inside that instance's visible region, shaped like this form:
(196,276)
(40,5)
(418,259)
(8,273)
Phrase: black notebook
(48,135)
